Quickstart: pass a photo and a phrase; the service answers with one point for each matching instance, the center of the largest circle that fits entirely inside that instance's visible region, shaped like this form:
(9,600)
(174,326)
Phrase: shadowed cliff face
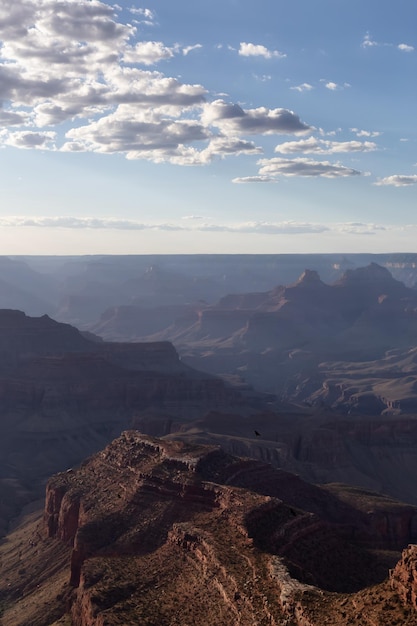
(64,396)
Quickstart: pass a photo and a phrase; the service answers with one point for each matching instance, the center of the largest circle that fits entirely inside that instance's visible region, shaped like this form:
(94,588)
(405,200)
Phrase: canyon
(264,474)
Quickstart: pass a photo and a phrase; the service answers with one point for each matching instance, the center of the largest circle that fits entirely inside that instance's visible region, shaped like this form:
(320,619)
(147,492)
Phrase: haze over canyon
(222,440)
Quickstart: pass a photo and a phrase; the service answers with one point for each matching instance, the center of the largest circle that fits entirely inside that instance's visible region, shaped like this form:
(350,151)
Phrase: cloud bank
(192,224)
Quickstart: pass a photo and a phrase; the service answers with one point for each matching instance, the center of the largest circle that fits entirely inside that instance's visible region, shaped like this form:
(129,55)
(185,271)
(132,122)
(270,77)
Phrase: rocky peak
(309,278)
(373,275)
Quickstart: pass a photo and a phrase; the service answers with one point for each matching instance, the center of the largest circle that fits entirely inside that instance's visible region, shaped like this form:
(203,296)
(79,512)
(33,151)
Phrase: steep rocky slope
(166,533)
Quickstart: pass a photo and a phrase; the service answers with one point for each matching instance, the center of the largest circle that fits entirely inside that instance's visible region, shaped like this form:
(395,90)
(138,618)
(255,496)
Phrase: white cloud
(303,87)
(335,86)
(231,145)
(76,63)
(148,53)
(256,50)
(398,180)
(358,228)
(254,179)
(304,167)
(368,42)
(194,224)
(189,49)
(139,134)
(77,223)
(405,47)
(365,133)
(320,146)
(148,14)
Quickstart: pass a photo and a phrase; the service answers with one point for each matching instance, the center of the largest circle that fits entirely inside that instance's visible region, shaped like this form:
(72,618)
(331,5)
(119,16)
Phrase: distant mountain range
(349,345)
(79,289)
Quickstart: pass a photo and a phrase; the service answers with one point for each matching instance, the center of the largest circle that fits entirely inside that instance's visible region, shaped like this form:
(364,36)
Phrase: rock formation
(151,532)
(164,532)
(403,577)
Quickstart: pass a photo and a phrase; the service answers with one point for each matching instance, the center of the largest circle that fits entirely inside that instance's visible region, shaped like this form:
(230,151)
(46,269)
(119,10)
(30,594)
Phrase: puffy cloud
(304,167)
(131,131)
(231,145)
(335,86)
(398,180)
(73,65)
(231,118)
(28,139)
(405,47)
(155,137)
(148,53)
(321,146)
(256,50)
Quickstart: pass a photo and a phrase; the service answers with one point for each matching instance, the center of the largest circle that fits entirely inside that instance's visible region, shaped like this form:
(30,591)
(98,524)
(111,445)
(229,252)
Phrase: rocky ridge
(168,533)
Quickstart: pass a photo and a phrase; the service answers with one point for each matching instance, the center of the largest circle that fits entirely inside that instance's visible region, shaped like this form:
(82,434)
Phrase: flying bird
(257,434)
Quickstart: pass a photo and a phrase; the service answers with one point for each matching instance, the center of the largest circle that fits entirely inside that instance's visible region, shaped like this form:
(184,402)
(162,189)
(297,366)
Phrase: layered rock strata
(168,533)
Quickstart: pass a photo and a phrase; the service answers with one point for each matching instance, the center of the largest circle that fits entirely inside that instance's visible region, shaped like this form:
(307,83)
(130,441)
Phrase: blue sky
(232,126)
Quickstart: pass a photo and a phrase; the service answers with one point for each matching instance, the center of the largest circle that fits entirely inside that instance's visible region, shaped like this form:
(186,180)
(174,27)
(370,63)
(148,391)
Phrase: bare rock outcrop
(403,577)
(151,521)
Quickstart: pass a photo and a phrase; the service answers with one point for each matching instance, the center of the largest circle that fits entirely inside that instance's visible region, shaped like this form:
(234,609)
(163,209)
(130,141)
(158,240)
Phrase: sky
(228,126)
